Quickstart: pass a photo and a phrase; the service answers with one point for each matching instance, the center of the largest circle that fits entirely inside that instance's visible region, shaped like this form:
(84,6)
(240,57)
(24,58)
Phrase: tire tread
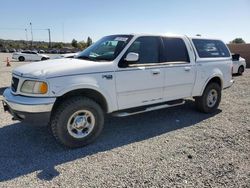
(60,109)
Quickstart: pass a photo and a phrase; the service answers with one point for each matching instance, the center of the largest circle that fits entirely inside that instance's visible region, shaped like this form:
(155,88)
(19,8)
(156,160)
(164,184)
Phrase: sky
(68,19)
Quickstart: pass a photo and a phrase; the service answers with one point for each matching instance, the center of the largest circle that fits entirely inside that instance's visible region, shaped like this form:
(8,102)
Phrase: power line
(3,28)
(31,30)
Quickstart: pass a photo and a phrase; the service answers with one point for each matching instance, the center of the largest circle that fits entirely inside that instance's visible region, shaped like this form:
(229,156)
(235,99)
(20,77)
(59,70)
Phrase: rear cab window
(207,48)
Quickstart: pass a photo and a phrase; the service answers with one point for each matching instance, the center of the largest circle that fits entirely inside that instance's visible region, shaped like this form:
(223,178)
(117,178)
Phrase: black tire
(64,112)
(202,103)
(44,58)
(240,70)
(21,58)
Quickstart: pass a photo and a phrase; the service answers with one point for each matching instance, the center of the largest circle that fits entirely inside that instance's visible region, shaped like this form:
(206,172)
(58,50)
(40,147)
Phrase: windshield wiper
(85,58)
(102,59)
(92,58)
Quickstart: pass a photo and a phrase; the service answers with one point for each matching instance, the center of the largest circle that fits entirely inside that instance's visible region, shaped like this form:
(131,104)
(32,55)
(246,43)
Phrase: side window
(210,48)
(147,48)
(175,50)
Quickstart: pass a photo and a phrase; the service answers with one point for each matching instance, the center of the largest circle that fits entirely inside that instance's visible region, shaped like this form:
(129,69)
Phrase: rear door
(180,69)
(141,83)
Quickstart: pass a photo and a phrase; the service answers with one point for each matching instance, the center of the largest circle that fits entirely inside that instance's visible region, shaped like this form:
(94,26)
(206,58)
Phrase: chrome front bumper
(27,104)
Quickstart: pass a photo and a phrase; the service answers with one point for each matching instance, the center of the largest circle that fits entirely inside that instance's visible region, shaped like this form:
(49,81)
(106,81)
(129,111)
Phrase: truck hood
(61,67)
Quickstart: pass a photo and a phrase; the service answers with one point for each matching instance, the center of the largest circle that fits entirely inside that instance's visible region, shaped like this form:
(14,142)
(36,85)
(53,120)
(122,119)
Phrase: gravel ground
(177,147)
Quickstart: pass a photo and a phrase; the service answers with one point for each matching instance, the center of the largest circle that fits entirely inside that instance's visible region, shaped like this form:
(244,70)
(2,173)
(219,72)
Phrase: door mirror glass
(132,57)
(236,57)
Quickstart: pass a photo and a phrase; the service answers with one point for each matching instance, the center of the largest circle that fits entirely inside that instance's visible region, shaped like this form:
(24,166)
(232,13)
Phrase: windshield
(105,49)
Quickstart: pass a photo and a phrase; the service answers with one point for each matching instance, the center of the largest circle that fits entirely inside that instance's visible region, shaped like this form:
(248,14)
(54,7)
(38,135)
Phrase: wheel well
(241,66)
(215,80)
(90,93)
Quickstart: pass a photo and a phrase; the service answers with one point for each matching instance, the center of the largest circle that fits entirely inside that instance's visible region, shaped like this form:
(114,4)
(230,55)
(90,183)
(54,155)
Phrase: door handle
(187,69)
(155,72)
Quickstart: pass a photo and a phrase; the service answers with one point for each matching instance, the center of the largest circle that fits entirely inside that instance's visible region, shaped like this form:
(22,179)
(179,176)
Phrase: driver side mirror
(132,57)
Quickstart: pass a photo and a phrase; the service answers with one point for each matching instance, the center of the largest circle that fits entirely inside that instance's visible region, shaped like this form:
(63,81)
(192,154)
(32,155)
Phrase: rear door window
(210,48)
(175,50)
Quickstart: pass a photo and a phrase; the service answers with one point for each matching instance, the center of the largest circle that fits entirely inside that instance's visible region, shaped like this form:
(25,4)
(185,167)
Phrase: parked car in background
(12,50)
(69,55)
(239,64)
(41,51)
(53,51)
(29,56)
(5,50)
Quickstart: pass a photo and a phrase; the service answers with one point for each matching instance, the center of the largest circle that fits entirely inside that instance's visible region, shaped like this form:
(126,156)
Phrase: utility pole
(26,34)
(49,38)
(63,32)
(31,31)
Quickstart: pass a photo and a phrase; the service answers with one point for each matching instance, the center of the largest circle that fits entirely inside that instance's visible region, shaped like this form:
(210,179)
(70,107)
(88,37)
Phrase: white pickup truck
(120,75)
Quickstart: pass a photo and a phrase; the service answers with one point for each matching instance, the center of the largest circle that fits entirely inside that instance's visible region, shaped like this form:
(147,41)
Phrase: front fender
(110,103)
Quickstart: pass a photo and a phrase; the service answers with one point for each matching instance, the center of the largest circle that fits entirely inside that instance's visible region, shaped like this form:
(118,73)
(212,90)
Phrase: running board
(148,109)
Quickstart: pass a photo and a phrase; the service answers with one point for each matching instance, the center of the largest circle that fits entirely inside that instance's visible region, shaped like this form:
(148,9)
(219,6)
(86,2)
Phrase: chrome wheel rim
(81,124)
(212,98)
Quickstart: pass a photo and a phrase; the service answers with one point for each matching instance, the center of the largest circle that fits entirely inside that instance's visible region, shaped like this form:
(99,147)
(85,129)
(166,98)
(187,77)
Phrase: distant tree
(1,44)
(74,43)
(89,41)
(81,45)
(43,46)
(23,44)
(238,41)
(58,45)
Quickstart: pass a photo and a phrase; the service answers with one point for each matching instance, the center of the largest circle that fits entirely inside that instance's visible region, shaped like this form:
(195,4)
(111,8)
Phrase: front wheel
(21,58)
(210,99)
(77,122)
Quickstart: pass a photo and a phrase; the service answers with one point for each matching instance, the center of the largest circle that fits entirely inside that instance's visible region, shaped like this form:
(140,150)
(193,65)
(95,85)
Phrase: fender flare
(110,104)
(215,75)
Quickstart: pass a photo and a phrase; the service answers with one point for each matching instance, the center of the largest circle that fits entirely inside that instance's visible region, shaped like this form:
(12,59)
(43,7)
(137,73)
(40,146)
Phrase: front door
(141,83)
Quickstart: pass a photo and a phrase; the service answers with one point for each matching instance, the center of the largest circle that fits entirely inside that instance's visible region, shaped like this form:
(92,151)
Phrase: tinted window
(211,48)
(175,50)
(147,48)
(26,52)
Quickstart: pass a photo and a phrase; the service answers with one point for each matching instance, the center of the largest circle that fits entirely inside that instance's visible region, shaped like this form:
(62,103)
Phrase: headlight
(34,87)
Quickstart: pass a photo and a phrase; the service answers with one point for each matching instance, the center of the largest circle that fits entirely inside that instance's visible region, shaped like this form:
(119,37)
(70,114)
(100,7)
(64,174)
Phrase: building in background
(243,50)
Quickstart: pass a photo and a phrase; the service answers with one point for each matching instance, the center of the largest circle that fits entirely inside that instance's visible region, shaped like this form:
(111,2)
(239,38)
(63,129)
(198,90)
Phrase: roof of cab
(161,34)
(174,35)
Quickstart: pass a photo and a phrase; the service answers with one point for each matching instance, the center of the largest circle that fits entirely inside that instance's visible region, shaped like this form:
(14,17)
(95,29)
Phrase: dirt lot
(176,147)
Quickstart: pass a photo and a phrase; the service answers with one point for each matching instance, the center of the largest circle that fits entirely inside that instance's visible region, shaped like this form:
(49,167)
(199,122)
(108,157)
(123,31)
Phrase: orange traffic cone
(8,62)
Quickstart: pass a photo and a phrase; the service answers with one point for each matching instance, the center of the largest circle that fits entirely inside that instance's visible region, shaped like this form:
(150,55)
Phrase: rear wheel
(210,99)
(240,70)
(21,58)
(77,122)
